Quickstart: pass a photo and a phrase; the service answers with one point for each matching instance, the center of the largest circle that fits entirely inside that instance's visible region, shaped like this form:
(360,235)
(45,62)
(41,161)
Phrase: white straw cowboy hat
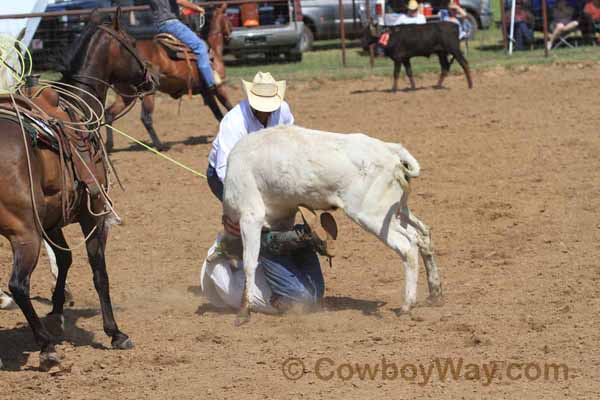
(264,92)
(413,5)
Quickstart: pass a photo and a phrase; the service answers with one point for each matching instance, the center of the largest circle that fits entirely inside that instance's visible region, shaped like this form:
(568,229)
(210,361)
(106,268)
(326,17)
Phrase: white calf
(272,172)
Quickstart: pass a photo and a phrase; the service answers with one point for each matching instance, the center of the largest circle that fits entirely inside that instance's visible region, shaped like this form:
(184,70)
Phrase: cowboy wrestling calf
(276,170)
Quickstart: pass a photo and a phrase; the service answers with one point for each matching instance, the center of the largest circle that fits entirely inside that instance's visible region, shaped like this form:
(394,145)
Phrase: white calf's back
(285,166)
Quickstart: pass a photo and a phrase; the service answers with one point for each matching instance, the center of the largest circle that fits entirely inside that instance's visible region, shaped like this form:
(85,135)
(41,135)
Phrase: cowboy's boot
(323,233)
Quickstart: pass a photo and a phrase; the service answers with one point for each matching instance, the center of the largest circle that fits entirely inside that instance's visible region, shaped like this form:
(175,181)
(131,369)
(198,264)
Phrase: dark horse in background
(102,56)
(420,40)
(178,77)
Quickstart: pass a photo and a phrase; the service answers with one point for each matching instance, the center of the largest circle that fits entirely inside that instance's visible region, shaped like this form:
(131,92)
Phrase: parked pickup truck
(279,32)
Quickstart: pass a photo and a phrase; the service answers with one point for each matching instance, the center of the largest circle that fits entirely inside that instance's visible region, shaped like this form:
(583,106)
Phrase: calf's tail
(408,167)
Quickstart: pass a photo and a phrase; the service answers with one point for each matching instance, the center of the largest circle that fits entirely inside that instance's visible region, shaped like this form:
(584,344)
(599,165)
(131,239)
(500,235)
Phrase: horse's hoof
(122,343)
(69,300)
(48,360)
(55,323)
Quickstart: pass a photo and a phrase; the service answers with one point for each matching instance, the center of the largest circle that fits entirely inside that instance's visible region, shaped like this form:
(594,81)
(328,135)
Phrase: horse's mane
(70,59)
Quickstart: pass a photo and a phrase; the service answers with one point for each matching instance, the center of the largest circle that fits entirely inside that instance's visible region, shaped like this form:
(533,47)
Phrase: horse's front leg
(96,246)
(111,112)
(223,97)
(146,117)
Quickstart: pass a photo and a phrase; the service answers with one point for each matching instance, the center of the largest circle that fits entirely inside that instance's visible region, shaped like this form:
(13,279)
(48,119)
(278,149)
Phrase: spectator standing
(523,29)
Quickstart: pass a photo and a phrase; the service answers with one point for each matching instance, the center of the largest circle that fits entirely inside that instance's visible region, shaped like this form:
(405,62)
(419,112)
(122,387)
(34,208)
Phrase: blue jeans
(191,40)
(523,35)
(297,277)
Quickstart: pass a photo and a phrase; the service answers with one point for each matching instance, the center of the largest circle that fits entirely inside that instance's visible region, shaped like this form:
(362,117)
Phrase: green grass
(484,52)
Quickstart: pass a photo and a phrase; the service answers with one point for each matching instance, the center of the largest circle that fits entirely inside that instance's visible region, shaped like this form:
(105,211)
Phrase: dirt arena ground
(510,185)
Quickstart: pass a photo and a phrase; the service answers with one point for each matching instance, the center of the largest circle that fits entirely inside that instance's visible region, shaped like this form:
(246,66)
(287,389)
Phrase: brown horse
(33,181)
(177,77)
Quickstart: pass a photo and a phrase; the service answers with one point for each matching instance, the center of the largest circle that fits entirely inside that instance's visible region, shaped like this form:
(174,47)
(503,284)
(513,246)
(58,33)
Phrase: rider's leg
(197,45)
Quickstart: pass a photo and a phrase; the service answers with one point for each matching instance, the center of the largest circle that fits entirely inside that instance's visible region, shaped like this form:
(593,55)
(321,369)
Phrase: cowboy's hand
(200,10)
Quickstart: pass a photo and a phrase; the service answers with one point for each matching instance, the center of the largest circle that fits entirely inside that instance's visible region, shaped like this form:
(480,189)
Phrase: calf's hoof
(48,360)
(435,292)
(242,318)
(55,323)
(403,310)
(122,342)
(435,301)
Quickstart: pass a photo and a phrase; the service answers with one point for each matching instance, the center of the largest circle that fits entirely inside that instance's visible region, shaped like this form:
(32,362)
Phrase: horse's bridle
(149,77)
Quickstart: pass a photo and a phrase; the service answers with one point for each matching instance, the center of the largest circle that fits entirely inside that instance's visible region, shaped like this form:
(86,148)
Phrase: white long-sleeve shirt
(237,123)
(394,19)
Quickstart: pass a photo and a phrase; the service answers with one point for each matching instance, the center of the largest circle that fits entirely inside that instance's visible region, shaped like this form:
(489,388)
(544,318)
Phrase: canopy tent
(23,29)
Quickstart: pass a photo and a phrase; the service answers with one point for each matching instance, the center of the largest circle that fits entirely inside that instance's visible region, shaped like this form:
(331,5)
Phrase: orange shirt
(592,10)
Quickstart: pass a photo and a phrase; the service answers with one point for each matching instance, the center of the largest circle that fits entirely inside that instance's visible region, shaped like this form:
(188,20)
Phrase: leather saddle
(35,127)
(176,50)
(51,133)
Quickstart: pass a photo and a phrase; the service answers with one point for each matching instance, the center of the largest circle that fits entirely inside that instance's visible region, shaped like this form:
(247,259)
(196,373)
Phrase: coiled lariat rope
(89,122)
(12,50)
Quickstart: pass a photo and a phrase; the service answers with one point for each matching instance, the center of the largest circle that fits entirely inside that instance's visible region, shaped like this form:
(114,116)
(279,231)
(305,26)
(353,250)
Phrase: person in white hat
(411,16)
(264,107)
(289,271)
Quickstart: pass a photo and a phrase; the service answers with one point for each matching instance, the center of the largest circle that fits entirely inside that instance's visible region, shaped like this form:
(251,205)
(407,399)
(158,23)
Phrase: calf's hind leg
(409,73)
(397,68)
(400,237)
(458,55)
(445,65)
(425,245)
